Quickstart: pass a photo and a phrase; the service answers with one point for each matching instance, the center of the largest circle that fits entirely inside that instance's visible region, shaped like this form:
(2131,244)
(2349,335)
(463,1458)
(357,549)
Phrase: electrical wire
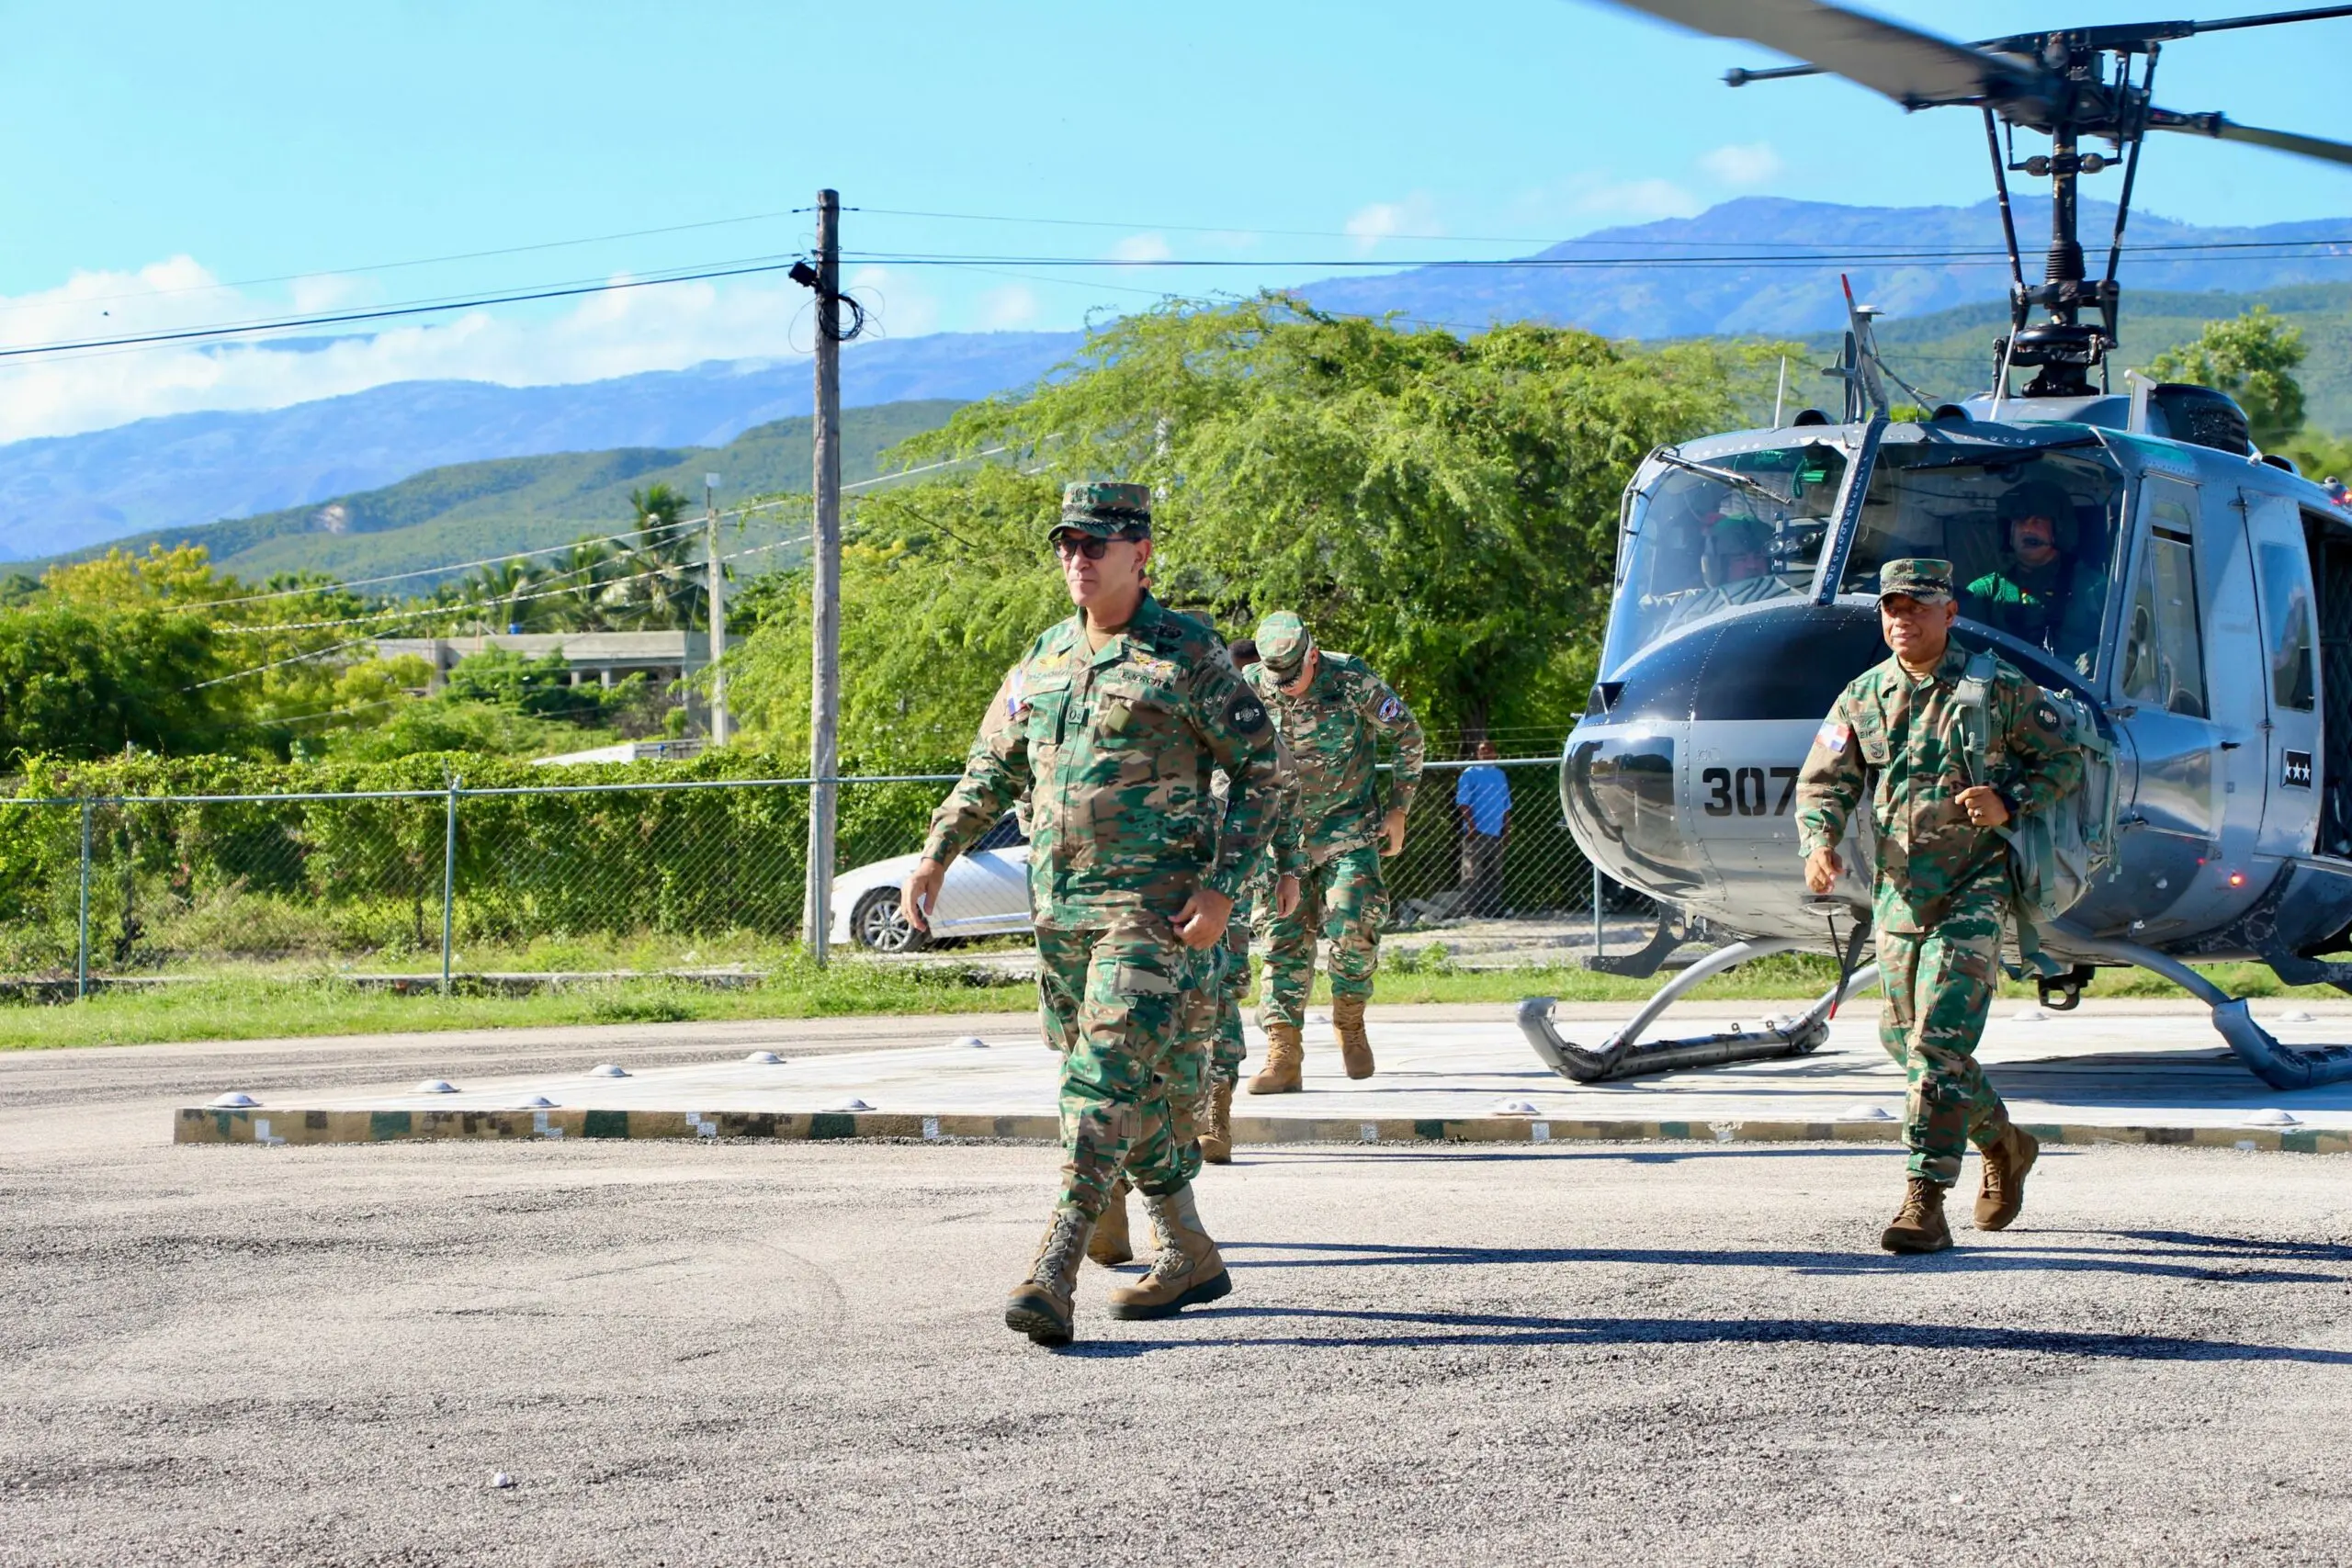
(399,266)
(2329,249)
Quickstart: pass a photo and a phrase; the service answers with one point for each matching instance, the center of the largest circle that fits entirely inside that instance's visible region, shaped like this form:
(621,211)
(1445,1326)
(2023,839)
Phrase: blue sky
(169,167)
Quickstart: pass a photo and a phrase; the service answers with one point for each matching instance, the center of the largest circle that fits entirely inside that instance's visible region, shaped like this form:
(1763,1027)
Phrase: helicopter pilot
(1736,562)
(2045,592)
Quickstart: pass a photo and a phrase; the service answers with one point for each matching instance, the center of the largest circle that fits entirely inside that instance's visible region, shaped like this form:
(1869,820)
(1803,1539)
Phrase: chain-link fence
(425,886)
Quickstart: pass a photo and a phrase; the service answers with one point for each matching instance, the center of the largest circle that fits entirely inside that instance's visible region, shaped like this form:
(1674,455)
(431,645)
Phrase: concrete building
(603,658)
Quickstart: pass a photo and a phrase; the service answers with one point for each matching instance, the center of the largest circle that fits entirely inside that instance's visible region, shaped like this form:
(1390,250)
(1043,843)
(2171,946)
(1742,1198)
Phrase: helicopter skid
(1622,1056)
(2280,1067)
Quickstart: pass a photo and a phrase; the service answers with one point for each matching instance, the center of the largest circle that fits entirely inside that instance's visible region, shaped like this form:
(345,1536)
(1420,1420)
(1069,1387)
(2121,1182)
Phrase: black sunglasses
(1087,545)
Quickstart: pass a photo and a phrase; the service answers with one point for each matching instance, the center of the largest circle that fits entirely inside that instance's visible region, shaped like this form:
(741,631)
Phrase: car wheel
(876,924)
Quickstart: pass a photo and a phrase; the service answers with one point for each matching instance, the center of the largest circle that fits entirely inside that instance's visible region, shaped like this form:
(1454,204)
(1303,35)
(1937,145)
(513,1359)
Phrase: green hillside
(468,511)
(1950,354)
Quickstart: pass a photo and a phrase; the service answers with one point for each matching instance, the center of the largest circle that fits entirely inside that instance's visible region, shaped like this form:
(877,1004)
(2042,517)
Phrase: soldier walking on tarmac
(1271,889)
(1210,1027)
(1329,708)
(1113,721)
(1899,732)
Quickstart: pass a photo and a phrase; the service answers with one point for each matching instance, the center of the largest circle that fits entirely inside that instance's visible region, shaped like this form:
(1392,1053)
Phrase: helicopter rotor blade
(1917,70)
(2226,129)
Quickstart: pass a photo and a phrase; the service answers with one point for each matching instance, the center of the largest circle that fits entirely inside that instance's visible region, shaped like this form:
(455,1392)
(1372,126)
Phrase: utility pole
(717,613)
(825,595)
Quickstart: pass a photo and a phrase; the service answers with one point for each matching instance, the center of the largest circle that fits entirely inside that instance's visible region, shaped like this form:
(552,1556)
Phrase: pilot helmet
(1732,536)
(2040,498)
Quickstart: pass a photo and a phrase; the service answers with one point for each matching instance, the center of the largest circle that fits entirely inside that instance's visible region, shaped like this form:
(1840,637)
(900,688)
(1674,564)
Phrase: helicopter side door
(2290,675)
(2184,585)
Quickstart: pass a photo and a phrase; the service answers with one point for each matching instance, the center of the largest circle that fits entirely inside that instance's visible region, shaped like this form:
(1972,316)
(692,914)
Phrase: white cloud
(897,306)
(1387,220)
(1744,164)
(1577,200)
(1141,248)
(1002,309)
(615,333)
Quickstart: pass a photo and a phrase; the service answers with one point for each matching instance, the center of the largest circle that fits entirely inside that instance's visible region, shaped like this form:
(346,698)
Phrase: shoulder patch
(1392,708)
(1246,713)
(2045,718)
(1016,695)
(1832,736)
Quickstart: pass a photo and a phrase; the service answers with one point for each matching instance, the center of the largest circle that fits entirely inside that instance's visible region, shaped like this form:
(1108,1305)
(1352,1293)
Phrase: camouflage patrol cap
(1283,642)
(1104,510)
(1919,577)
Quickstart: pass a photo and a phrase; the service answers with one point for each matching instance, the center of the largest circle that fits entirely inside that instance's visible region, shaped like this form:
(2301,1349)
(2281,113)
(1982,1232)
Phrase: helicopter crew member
(1895,734)
(2044,595)
(1113,721)
(1737,562)
(1331,708)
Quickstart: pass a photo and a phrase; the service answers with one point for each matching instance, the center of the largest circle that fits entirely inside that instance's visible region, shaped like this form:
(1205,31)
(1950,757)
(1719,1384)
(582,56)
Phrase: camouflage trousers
(1226,1047)
(1938,987)
(1344,902)
(1130,1008)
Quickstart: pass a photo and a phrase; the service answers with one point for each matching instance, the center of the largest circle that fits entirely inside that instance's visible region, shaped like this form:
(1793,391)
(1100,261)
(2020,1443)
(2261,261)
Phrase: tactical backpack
(2055,855)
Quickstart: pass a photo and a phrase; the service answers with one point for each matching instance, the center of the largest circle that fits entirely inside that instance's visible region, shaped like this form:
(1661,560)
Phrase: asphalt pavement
(737,1352)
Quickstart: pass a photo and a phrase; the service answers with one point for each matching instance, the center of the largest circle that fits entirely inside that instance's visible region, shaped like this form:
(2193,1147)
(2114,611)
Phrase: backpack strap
(1975,693)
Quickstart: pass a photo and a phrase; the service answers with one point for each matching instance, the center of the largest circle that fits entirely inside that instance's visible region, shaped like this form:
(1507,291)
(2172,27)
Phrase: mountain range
(62,494)
(1750,266)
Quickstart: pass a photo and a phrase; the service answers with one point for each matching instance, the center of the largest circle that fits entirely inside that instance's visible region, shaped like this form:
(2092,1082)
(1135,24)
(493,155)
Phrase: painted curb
(203,1125)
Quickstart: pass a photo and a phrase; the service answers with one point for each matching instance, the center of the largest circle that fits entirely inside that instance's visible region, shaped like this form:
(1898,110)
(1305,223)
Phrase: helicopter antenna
(2056,83)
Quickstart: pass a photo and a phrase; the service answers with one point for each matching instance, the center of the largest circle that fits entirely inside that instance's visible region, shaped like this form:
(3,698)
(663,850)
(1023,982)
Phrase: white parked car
(987,893)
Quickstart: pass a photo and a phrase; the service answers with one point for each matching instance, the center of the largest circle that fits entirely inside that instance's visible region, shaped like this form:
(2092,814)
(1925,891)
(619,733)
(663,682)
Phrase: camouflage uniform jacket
(1115,748)
(1329,729)
(1281,854)
(1901,739)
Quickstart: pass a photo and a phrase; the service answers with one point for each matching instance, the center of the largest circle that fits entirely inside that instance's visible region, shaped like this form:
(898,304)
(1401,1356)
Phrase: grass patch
(267,1004)
(238,1007)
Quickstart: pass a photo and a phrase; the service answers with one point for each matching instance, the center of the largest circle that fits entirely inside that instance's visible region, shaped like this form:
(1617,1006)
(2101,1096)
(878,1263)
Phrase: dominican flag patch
(1831,737)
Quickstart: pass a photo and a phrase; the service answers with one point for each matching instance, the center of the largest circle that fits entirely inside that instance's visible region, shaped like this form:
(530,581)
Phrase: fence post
(448,879)
(1597,938)
(82,942)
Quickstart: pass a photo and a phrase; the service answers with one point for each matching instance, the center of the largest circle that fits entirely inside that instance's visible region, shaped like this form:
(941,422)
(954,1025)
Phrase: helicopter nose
(1733,686)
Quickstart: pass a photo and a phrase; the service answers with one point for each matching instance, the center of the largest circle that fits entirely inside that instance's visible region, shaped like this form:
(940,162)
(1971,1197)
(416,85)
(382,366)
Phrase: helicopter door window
(2293,684)
(2031,542)
(2164,658)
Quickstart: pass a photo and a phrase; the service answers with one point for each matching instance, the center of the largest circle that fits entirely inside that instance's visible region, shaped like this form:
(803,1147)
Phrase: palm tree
(661,582)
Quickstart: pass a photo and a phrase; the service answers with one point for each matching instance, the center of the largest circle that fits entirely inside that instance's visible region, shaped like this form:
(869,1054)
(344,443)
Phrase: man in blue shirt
(1482,800)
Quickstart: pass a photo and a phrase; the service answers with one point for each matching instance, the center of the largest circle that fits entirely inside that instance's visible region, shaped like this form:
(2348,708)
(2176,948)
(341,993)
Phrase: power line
(2332,249)
(399,265)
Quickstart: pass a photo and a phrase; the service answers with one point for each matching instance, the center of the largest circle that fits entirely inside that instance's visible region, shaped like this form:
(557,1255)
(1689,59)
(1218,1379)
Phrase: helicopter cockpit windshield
(1706,537)
(2031,539)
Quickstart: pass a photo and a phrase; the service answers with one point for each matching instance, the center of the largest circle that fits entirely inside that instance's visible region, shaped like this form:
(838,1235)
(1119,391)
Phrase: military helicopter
(2196,595)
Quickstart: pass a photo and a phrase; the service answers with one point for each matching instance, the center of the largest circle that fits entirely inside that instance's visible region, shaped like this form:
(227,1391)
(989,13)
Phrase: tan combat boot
(1216,1124)
(1187,1269)
(1920,1225)
(1110,1245)
(1042,1305)
(1347,1021)
(2001,1195)
(1285,1055)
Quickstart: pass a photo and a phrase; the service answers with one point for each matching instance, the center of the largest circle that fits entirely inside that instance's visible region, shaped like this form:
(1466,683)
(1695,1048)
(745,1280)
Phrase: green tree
(1446,506)
(78,684)
(660,583)
(2253,358)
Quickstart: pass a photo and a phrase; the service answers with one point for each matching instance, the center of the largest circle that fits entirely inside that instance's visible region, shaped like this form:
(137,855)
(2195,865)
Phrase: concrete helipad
(2111,1072)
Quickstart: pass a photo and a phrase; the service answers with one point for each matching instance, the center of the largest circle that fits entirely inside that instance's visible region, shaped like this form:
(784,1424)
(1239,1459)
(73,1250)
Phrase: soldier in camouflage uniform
(1331,708)
(1113,721)
(1271,884)
(1942,879)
